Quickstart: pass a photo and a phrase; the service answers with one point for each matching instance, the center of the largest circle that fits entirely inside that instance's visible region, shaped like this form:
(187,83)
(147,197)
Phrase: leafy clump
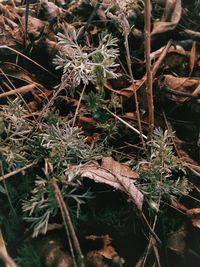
(159,179)
(28,257)
(56,147)
(83,63)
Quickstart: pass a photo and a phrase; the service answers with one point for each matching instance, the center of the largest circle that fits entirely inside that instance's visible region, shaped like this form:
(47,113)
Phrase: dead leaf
(194,215)
(170,18)
(35,26)
(107,251)
(118,168)
(117,181)
(49,10)
(192,34)
(179,50)
(176,241)
(190,86)
(192,57)
(180,206)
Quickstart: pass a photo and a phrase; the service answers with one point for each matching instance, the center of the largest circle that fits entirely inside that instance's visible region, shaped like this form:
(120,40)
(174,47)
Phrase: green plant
(28,257)
(58,146)
(160,179)
(83,63)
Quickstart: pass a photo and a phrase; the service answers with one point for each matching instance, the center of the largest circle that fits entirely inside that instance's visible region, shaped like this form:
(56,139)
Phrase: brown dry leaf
(176,241)
(35,26)
(49,10)
(51,251)
(107,251)
(10,34)
(17,72)
(170,18)
(194,215)
(192,34)
(117,181)
(174,50)
(118,168)
(193,55)
(180,206)
(182,85)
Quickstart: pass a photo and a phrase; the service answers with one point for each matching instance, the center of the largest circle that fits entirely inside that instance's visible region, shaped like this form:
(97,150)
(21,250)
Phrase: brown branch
(67,221)
(10,174)
(149,81)
(128,60)
(22,89)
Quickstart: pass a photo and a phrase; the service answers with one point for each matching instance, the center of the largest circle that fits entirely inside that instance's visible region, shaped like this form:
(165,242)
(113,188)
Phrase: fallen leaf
(170,18)
(194,215)
(192,34)
(107,251)
(118,168)
(117,181)
(177,241)
(192,57)
(190,86)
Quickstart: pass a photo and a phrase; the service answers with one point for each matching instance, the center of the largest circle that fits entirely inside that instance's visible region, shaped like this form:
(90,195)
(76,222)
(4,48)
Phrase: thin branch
(67,221)
(78,105)
(149,81)
(10,174)
(128,59)
(22,89)
(126,123)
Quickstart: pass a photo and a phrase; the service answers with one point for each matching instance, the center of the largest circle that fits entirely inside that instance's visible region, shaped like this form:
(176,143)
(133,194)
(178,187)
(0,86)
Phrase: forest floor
(99,133)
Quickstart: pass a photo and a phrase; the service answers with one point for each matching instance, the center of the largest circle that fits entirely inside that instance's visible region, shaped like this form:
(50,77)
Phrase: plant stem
(78,105)
(67,221)
(149,91)
(128,60)
(10,174)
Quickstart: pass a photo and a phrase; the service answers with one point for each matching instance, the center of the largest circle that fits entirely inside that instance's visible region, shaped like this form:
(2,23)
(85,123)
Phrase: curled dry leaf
(118,168)
(192,34)
(173,50)
(180,89)
(116,180)
(193,55)
(106,250)
(194,215)
(170,18)
(49,10)
(176,241)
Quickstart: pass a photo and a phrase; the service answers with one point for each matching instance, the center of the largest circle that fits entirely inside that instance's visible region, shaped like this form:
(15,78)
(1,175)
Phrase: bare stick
(77,108)
(149,90)
(4,256)
(67,221)
(128,59)
(57,195)
(125,123)
(22,89)
(10,174)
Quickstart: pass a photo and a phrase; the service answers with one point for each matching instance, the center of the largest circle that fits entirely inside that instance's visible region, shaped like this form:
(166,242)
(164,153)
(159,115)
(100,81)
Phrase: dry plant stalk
(68,224)
(7,260)
(149,91)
